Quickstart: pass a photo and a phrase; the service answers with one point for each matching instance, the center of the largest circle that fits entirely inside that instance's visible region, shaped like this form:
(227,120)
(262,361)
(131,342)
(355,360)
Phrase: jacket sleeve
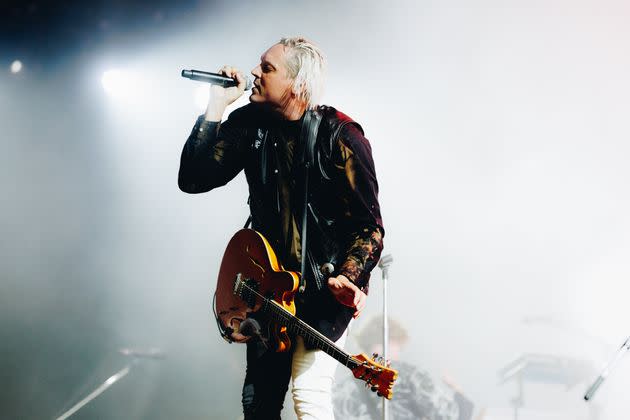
(361,221)
(212,155)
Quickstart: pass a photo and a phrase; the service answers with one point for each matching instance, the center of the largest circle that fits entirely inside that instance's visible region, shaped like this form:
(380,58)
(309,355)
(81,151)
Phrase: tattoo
(363,254)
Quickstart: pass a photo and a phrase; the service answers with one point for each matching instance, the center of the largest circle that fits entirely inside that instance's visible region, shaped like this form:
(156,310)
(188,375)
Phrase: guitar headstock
(379,377)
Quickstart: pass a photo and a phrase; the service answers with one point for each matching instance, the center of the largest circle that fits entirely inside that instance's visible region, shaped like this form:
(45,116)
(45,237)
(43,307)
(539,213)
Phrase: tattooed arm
(361,219)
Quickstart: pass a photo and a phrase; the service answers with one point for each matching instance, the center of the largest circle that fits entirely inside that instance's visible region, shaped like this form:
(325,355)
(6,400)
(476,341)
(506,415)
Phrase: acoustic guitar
(251,279)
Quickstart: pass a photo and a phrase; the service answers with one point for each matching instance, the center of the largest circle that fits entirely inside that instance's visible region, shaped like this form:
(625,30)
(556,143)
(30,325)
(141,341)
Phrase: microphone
(214,78)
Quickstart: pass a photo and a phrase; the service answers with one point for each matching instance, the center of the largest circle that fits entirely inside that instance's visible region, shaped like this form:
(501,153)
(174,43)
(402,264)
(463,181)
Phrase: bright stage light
(16,66)
(115,82)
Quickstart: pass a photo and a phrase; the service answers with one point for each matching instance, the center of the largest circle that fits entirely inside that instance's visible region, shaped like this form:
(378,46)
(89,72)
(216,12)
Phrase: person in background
(417,395)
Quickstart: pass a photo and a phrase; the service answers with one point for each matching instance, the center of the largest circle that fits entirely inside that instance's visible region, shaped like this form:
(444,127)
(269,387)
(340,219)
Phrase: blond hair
(306,65)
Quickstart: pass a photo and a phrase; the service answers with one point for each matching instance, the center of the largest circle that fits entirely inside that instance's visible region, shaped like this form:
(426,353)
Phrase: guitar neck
(310,334)
(277,313)
(261,276)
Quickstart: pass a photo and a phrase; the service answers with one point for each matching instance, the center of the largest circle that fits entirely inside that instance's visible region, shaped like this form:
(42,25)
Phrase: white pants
(312,375)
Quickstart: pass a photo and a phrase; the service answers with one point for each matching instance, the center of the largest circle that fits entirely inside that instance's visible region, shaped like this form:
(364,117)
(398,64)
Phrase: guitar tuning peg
(388,363)
(374,356)
(374,388)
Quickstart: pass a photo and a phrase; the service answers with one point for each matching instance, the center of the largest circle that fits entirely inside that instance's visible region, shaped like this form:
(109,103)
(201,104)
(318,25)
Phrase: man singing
(267,139)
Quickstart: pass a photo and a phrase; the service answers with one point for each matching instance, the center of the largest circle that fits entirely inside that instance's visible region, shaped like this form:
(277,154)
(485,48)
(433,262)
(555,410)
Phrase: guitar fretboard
(295,325)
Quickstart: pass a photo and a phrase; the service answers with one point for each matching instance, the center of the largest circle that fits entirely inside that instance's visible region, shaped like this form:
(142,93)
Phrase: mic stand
(604,374)
(136,355)
(384,264)
(98,391)
(518,400)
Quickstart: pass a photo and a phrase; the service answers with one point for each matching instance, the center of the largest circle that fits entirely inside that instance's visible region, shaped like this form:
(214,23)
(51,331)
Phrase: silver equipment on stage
(545,369)
(590,393)
(384,264)
(136,355)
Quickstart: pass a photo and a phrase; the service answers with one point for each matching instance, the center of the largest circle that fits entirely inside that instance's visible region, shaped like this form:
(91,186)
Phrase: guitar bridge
(246,289)
(238,284)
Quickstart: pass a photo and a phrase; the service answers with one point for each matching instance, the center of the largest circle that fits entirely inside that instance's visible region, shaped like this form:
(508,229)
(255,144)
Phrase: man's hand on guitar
(347,293)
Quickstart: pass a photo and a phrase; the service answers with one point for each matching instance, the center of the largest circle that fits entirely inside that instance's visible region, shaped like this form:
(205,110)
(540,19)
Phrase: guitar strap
(308,137)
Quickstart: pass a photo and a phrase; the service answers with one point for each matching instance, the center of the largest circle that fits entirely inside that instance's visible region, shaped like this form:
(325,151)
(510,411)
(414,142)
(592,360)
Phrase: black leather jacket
(344,223)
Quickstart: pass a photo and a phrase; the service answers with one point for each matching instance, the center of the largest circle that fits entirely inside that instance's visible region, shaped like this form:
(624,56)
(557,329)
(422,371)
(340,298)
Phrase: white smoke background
(499,132)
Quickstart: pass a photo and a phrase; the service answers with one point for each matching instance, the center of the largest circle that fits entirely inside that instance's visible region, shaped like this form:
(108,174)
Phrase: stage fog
(500,137)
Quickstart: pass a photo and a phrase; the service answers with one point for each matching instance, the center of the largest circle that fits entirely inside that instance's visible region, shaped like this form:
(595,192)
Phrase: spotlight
(16,66)
(115,82)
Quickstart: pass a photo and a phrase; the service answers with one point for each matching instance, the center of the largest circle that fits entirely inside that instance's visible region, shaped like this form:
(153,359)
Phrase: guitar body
(249,254)
(251,279)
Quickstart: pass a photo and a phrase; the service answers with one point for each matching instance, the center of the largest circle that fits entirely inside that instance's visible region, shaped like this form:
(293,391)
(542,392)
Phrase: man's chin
(260,101)
(255,98)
